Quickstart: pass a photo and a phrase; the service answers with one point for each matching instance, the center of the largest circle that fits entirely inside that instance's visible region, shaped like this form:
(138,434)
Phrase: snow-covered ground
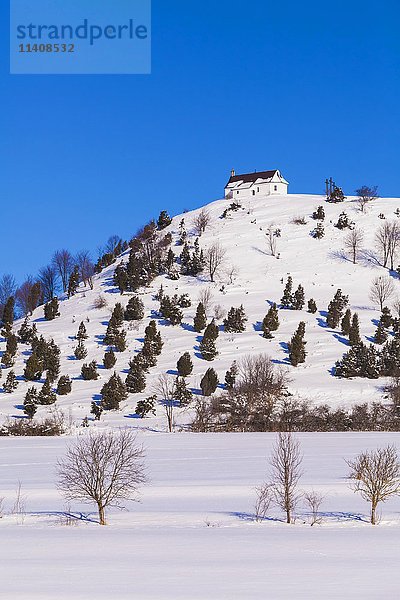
(192,536)
(318,265)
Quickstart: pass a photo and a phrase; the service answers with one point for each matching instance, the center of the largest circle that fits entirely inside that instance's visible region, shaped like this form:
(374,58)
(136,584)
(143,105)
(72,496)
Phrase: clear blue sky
(309,87)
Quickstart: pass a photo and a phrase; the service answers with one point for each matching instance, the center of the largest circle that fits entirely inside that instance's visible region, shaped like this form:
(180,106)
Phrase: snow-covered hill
(318,264)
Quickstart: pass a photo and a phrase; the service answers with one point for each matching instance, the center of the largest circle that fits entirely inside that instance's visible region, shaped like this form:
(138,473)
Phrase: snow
(193,535)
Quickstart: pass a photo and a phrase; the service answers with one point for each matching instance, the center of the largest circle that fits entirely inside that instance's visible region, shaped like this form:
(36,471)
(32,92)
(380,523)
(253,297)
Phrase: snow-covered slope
(318,265)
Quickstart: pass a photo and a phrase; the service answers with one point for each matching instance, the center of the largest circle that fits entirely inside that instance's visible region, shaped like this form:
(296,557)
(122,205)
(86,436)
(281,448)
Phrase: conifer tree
(359,361)
(235,321)
(46,395)
(287,298)
(113,393)
(96,410)
(380,334)
(185,259)
(25,332)
(8,313)
(163,220)
(121,278)
(30,401)
(212,330)
(146,407)
(298,298)
(182,232)
(136,378)
(354,333)
(120,340)
(109,359)
(64,385)
(200,319)
(296,346)
(207,348)
(386,318)
(10,383)
(51,310)
(181,393)
(185,365)
(33,367)
(117,316)
(346,322)
(73,282)
(336,308)
(318,232)
(319,214)
(209,382)
(80,351)
(89,371)
(231,375)
(312,307)
(134,310)
(270,322)
(82,333)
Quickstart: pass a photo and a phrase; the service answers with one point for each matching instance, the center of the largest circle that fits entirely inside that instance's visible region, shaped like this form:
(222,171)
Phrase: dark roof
(247,177)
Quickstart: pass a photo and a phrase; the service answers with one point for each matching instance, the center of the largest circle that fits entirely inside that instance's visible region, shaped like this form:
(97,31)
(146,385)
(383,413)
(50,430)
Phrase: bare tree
(104,468)
(313,501)
(382,289)
(272,239)
(112,244)
(164,388)
(7,288)
(394,242)
(264,499)
(201,221)
(396,306)
(376,476)
(286,461)
(366,195)
(387,239)
(206,298)
(232,272)
(48,277)
(214,258)
(64,263)
(86,267)
(29,296)
(353,242)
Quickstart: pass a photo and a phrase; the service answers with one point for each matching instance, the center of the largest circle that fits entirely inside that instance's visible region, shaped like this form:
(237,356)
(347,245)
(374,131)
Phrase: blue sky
(311,88)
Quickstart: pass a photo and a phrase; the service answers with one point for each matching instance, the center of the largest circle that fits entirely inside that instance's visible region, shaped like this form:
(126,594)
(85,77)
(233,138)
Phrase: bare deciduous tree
(112,243)
(387,239)
(86,267)
(214,257)
(382,289)
(104,468)
(165,388)
(286,461)
(48,277)
(206,298)
(64,263)
(29,296)
(7,288)
(201,221)
(272,239)
(264,499)
(366,195)
(376,476)
(353,242)
(313,501)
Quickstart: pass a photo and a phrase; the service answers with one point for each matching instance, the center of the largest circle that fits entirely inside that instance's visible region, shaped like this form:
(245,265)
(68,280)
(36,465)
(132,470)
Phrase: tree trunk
(373,514)
(102,516)
(288,519)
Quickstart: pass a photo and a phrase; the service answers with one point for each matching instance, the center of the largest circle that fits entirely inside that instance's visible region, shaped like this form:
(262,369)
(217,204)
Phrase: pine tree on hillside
(270,322)
(109,359)
(336,308)
(163,220)
(207,348)
(235,321)
(209,382)
(113,393)
(89,371)
(318,232)
(146,407)
(120,340)
(96,410)
(182,232)
(185,259)
(134,310)
(117,316)
(231,376)
(298,298)
(80,351)
(359,361)
(51,310)
(10,383)
(386,318)
(8,313)
(354,333)
(64,386)
(319,214)
(380,334)
(30,402)
(200,319)
(52,361)
(26,331)
(82,333)
(136,379)
(121,279)
(346,322)
(181,393)
(185,365)
(287,298)
(297,346)
(212,330)
(46,396)
(73,282)
(33,367)
(312,307)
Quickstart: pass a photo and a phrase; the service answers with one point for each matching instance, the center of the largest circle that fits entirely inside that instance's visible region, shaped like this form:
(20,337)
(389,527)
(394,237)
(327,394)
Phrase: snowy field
(193,535)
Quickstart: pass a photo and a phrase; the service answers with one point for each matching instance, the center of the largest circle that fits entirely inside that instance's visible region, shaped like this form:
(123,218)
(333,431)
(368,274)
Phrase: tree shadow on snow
(341,339)
(257,326)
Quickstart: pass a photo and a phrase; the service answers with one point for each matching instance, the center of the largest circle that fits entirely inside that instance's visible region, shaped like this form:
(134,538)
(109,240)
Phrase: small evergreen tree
(109,359)
(209,382)
(319,214)
(297,346)
(26,332)
(80,351)
(346,322)
(298,298)
(30,407)
(312,307)
(136,378)
(185,365)
(287,298)
(359,361)
(336,308)
(235,321)
(146,407)
(380,334)
(89,371)
(207,348)
(51,310)
(163,220)
(64,385)
(318,232)
(73,282)
(46,396)
(270,322)
(200,319)
(231,375)
(82,333)
(10,383)
(354,333)
(181,392)
(212,331)
(117,316)
(343,221)
(120,340)
(8,313)
(113,393)
(134,310)
(33,367)
(386,318)
(96,410)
